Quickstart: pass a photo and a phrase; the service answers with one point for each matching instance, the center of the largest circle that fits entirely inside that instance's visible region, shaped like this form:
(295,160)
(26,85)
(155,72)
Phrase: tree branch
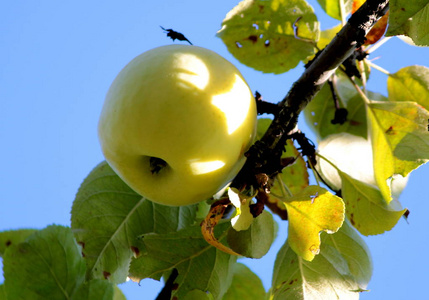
(260,156)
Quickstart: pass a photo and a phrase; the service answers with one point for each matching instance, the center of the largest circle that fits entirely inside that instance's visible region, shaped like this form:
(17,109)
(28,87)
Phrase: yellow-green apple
(176,123)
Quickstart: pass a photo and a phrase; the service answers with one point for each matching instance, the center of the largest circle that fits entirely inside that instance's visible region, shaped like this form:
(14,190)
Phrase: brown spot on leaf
(106,274)
(175,286)
(8,243)
(136,251)
(82,244)
(352,219)
(390,131)
(253,38)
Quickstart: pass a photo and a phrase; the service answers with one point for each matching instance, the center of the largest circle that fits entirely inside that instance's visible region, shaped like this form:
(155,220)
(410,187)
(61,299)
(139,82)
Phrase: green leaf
(354,250)
(311,211)
(410,84)
(200,265)
(333,9)
(397,128)
(107,218)
(13,237)
(48,265)
(366,209)
(255,241)
(245,285)
(2,292)
(94,289)
(326,277)
(410,18)
(198,295)
(321,110)
(270,36)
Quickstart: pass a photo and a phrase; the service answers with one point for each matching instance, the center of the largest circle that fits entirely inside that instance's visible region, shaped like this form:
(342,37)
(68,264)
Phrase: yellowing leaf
(311,211)
(270,36)
(410,84)
(400,140)
(366,208)
(333,7)
(327,35)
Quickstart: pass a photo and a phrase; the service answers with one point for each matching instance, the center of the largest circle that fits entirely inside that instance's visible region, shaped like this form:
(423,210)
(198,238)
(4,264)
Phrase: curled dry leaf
(215,214)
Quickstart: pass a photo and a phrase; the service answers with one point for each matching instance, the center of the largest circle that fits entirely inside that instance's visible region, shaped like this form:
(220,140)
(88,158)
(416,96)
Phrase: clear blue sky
(57,60)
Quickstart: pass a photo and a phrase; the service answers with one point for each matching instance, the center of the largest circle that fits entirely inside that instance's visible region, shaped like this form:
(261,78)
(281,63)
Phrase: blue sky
(57,60)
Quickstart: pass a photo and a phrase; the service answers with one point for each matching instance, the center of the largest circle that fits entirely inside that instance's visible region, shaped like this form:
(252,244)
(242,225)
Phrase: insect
(174,35)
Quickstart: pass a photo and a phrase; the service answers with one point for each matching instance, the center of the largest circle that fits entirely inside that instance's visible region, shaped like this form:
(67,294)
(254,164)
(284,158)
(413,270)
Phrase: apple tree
(330,192)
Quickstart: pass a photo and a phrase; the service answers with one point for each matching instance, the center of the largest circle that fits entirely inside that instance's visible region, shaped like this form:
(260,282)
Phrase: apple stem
(156,164)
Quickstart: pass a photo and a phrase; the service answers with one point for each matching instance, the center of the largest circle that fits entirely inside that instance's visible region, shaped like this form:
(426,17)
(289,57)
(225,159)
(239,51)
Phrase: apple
(176,123)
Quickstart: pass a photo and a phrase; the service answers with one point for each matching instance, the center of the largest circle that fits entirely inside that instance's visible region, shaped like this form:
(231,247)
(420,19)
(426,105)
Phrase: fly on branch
(174,35)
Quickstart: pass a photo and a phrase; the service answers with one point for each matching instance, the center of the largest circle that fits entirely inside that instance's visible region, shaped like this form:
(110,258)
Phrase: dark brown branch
(264,107)
(169,286)
(265,152)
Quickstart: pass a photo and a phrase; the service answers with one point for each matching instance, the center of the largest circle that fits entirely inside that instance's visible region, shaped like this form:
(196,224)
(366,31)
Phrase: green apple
(176,123)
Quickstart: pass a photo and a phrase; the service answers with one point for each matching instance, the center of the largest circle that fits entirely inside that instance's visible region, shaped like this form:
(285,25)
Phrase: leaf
(200,265)
(2,292)
(311,211)
(396,129)
(321,110)
(410,18)
(48,265)
(95,289)
(354,250)
(13,237)
(198,295)
(107,217)
(326,277)
(270,36)
(245,285)
(333,9)
(255,241)
(351,154)
(366,208)
(243,217)
(410,84)
(209,224)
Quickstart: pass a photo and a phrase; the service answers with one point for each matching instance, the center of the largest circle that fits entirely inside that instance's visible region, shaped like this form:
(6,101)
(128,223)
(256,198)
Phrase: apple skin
(188,108)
